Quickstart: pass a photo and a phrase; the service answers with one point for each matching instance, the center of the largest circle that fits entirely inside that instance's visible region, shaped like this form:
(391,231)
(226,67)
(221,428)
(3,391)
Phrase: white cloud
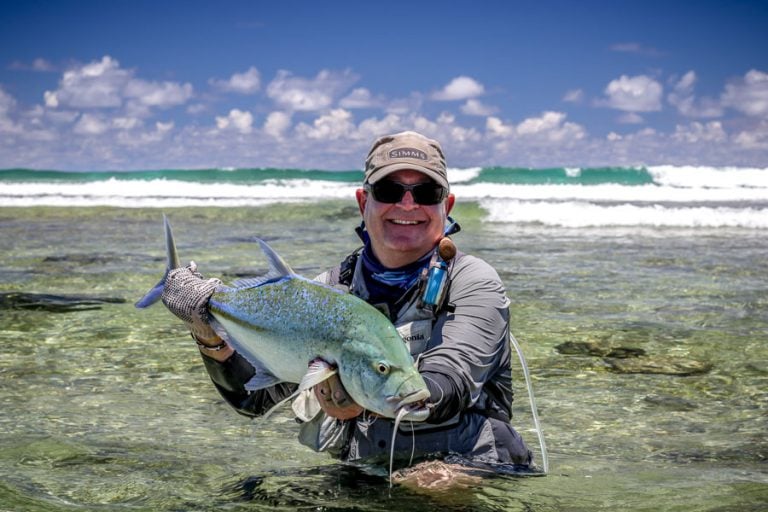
(755,139)
(126,123)
(91,124)
(301,94)
(103,84)
(359,98)
(196,108)
(574,96)
(550,126)
(277,123)
(247,82)
(335,125)
(405,106)
(636,48)
(39,64)
(371,128)
(7,104)
(633,94)
(94,85)
(700,132)
(238,120)
(682,97)
(156,94)
(631,118)
(474,107)
(496,128)
(460,88)
(748,95)
(164,127)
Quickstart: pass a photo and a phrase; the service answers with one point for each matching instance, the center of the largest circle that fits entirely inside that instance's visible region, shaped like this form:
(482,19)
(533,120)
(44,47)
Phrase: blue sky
(101,85)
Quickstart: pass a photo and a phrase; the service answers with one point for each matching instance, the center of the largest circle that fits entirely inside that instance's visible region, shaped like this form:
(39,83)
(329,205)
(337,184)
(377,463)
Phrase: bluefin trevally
(292,329)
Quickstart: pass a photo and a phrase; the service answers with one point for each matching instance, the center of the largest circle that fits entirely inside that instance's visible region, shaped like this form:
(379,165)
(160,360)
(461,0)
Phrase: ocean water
(639,297)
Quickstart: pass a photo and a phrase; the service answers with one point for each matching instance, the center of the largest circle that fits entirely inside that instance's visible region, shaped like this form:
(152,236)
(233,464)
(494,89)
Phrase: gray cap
(405,150)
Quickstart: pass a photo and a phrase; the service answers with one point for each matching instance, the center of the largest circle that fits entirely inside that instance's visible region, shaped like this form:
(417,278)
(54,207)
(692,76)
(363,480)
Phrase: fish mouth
(412,406)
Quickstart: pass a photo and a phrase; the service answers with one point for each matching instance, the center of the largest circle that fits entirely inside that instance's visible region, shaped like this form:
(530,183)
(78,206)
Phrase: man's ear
(361,197)
(449,202)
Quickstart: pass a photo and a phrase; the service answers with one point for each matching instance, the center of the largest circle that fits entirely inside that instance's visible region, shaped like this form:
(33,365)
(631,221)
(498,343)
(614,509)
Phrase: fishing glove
(335,401)
(186,294)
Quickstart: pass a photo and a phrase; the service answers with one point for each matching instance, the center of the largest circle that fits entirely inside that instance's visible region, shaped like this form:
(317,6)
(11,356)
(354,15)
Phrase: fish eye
(382,368)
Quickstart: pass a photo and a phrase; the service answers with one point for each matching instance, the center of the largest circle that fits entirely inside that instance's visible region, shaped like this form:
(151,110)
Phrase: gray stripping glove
(186,294)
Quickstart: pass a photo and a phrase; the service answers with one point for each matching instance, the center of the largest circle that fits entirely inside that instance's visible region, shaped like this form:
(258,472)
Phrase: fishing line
(532,399)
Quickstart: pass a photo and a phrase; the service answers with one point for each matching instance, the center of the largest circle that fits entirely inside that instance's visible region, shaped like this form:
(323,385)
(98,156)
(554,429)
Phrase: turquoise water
(110,409)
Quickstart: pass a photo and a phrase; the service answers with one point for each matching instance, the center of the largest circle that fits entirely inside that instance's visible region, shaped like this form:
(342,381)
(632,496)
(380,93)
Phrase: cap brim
(389,169)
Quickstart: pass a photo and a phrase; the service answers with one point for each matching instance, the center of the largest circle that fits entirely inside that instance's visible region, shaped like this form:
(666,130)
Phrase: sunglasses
(386,191)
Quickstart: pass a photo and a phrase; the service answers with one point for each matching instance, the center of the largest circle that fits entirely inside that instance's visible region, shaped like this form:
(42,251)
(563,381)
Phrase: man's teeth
(405,222)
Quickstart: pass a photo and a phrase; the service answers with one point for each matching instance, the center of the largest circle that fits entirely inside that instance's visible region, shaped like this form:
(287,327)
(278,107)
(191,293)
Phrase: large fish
(292,329)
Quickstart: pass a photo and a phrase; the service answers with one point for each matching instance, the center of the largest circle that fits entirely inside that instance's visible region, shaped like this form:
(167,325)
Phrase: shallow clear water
(110,408)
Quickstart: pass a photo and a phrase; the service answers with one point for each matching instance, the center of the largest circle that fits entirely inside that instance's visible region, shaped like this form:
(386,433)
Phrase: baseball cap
(405,150)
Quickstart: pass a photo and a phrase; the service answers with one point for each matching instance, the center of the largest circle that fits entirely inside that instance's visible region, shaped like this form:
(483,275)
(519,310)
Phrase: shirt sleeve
(469,346)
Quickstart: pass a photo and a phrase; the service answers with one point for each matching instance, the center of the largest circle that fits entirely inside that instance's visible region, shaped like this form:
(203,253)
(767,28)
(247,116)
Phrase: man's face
(403,232)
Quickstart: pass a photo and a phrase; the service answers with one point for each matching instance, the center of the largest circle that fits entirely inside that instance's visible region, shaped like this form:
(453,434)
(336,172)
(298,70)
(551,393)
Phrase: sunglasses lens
(386,191)
(428,193)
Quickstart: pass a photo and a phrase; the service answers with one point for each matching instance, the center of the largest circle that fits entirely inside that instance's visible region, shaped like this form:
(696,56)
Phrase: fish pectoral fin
(318,371)
(279,404)
(261,380)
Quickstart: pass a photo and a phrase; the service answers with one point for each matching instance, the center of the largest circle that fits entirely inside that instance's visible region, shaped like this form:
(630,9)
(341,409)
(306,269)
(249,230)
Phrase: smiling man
(450,309)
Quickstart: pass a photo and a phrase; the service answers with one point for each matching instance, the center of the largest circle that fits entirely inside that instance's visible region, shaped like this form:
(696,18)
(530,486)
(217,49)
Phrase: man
(460,338)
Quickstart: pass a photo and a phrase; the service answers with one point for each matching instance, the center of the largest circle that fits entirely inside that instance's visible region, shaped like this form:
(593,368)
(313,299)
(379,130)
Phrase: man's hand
(335,401)
(186,294)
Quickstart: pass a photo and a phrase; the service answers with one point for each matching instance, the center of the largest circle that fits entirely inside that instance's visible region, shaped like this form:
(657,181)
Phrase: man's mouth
(403,222)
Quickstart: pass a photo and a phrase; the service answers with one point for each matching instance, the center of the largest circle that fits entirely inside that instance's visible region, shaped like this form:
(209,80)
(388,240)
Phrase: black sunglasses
(386,191)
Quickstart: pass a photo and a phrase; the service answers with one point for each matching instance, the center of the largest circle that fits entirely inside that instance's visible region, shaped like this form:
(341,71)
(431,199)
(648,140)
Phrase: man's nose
(407,202)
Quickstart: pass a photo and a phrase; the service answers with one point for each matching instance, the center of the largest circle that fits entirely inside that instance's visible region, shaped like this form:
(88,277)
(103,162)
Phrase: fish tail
(172,262)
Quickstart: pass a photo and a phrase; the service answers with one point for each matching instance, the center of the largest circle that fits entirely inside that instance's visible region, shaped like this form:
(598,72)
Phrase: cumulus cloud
(460,88)
(552,127)
(103,84)
(496,128)
(91,124)
(749,94)
(94,85)
(360,98)
(757,138)
(548,127)
(157,94)
(7,104)
(335,125)
(700,132)
(474,107)
(301,94)
(238,120)
(682,97)
(247,82)
(633,94)
(276,124)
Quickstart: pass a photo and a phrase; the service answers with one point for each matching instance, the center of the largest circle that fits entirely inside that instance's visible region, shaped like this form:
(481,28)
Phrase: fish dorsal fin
(277,266)
(278,269)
